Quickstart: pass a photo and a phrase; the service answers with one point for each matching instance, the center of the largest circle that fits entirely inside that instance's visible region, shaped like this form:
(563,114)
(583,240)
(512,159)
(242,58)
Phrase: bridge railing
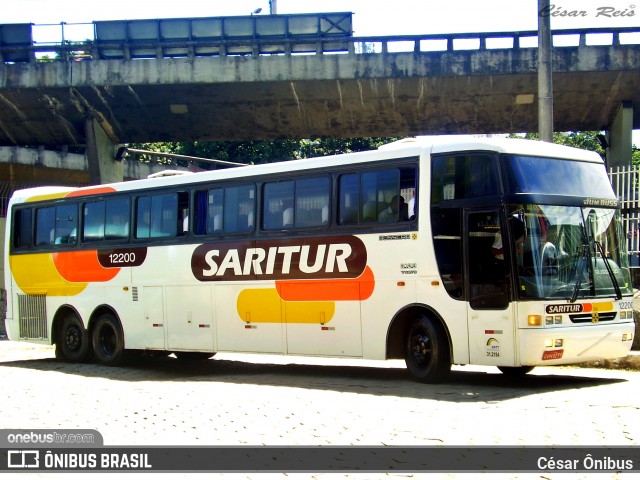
(23,44)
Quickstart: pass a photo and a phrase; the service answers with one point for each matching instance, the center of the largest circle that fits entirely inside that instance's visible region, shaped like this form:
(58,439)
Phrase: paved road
(272,400)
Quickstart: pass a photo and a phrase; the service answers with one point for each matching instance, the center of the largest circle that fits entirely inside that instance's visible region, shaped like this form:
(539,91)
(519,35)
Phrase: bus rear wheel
(427,351)
(73,343)
(108,340)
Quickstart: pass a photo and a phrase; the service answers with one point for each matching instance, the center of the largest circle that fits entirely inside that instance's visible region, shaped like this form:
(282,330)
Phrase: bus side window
(377,196)
(93,222)
(277,207)
(22,228)
(312,202)
(45,225)
(66,224)
(143,217)
(215,210)
(239,206)
(183,214)
(349,192)
(56,225)
(164,215)
(117,213)
(225,210)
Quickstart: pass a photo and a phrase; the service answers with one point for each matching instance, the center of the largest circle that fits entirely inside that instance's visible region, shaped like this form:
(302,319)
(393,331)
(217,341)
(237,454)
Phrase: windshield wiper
(614,280)
(579,273)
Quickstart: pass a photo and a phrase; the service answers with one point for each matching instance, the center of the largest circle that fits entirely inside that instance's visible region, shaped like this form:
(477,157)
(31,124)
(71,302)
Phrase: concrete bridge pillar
(103,168)
(619,137)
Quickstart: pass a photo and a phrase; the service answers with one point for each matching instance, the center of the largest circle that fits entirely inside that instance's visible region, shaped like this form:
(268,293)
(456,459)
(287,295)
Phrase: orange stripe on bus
(37,274)
(82,266)
(359,288)
(91,191)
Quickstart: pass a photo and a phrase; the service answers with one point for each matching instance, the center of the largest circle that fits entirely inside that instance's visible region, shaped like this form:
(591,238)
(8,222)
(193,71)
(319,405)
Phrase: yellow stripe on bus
(264,305)
(37,274)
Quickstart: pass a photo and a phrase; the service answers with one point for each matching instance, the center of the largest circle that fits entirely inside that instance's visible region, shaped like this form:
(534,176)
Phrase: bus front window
(568,252)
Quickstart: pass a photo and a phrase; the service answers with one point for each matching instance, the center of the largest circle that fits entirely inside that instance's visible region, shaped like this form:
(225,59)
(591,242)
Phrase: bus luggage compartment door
(189,318)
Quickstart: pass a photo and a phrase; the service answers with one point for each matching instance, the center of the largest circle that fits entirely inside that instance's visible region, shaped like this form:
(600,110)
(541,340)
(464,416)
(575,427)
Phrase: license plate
(552,354)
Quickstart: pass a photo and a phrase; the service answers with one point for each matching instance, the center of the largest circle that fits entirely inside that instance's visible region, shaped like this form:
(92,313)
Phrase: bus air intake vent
(32,316)
(134,294)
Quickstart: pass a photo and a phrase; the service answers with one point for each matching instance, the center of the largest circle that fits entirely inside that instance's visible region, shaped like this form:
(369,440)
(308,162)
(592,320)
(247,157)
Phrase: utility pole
(545,72)
(273,7)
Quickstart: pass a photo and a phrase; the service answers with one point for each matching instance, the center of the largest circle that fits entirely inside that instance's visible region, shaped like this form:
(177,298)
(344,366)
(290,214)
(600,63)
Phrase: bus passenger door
(490,315)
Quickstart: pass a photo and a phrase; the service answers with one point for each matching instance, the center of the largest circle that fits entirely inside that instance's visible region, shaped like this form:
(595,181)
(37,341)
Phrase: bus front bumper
(575,344)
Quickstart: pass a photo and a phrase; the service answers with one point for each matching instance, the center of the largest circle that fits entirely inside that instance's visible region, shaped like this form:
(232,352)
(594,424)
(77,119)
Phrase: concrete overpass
(261,89)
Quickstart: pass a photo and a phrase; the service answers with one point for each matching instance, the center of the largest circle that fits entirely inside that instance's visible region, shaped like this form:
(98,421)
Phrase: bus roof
(459,143)
(408,147)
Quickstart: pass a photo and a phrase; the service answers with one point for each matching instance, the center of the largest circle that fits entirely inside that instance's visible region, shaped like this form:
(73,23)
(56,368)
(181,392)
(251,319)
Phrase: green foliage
(586,140)
(266,151)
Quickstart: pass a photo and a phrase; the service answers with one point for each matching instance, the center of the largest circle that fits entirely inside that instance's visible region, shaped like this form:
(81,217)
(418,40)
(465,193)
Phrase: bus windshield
(528,174)
(568,252)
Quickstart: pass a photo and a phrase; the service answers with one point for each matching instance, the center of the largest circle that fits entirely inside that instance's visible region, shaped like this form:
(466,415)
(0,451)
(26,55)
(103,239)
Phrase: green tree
(266,151)
(587,140)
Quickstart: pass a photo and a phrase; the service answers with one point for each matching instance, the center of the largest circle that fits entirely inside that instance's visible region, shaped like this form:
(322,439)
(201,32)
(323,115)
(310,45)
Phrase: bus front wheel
(427,351)
(73,343)
(108,340)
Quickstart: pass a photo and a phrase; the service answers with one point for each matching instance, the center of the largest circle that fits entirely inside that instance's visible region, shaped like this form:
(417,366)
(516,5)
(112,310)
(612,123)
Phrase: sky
(370,17)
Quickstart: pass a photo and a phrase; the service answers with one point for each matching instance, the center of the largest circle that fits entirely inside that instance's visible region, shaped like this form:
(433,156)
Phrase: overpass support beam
(619,137)
(103,168)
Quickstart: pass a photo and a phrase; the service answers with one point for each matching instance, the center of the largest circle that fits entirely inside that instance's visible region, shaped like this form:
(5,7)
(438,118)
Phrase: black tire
(427,353)
(515,372)
(73,343)
(108,340)
(193,356)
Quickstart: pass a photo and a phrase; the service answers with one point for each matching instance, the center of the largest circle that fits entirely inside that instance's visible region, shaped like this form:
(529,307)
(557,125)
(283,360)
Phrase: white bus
(445,251)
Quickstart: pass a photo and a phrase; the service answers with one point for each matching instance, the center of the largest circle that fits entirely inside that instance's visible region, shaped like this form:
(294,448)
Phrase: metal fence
(624,180)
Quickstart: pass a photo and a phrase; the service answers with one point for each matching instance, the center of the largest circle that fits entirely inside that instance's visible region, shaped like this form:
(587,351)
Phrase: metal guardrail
(151,45)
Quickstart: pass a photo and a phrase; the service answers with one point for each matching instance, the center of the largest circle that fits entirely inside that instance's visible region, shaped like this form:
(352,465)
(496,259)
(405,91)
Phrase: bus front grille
(593,318)
(32,316)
